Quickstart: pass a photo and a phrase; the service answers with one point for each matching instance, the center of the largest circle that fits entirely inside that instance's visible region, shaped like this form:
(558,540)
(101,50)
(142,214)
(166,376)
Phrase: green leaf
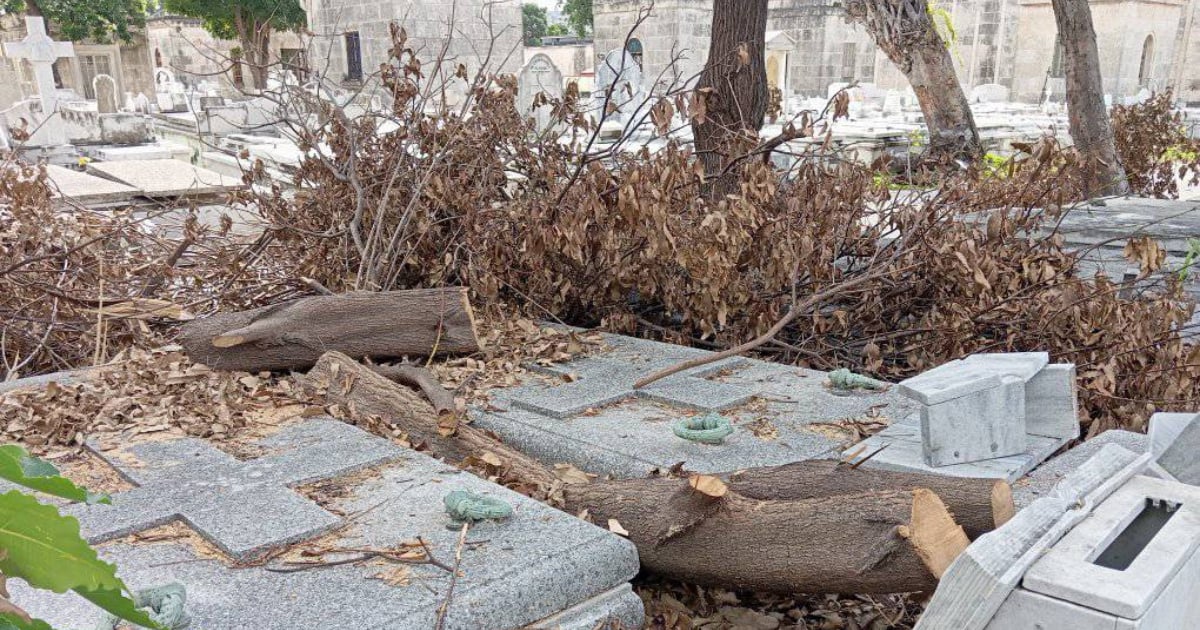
(45,549)
(118,604)
(19,467)
(12,622)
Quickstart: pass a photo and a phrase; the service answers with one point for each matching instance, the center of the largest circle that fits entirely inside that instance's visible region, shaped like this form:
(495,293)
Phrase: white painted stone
(105,88)
(1024,365)
(1179,459)
(981,425)
(1067,571)
(989,93)
(1051,402)
(42,52)
(978,583)
(1165,429)
(539,76)
(1024,610)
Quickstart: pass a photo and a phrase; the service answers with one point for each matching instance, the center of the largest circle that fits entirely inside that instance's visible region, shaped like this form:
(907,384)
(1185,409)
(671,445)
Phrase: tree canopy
(579,15)
(533,23)
(220,16)
(101,20)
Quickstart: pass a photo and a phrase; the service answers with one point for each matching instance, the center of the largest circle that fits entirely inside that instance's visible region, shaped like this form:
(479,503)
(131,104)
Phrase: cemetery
(439,331)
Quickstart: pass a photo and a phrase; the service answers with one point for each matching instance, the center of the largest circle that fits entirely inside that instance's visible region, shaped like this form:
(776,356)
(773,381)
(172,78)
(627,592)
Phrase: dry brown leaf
(708,485)
(614,526)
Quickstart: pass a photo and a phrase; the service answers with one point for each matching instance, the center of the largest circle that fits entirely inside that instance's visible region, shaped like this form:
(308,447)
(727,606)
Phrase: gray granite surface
(540,563)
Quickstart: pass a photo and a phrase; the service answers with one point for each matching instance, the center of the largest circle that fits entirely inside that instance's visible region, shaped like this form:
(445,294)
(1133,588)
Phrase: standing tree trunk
(905,32)
(733,87)
(254,37)
(1091,128)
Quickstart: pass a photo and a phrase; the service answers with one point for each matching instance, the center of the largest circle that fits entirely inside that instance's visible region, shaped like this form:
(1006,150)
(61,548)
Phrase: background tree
(250,22)
(1091,129)
(101,20)
(732,87)
(907,34)
(557,30)
(579,15)
(533,23)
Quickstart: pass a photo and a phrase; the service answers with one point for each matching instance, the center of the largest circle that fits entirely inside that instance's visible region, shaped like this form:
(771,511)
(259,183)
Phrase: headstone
(539,77)
(105,88)
(893,104)
(41,52)
(619,85)
(975,417)
(320,492)
(989,93)
(587,412)
(169,93)
(980,588)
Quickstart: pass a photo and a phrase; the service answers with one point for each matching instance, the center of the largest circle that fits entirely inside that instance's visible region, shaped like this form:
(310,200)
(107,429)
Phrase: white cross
(42,52)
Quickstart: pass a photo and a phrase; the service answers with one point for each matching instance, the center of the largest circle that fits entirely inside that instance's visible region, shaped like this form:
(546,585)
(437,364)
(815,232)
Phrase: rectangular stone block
(1023,365)
(948,381)
(984,424)
(1051,402)
(1133,546)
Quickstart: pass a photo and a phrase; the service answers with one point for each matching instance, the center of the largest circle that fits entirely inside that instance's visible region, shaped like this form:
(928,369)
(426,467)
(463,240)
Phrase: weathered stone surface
(981,581)
(949,381)
(1051,402)
(1165,427)
(164,178)
(1182,458)
(72,185)
(225,499)
(1069,570)
(1041,482)
(540,566)
(978,426)
(569,422)
(538,76)
(904,452)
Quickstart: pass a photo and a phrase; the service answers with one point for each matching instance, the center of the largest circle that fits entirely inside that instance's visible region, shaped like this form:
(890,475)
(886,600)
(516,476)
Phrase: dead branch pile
(1154,146)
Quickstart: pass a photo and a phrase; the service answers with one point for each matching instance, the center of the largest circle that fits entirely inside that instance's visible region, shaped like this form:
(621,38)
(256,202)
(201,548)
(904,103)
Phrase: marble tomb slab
(587,413)
(539,568)
(165,178)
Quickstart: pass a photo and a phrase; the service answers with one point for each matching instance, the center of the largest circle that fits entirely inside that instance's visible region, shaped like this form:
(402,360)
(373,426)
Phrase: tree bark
(295,334)
(979,505)
(905,32)
(871,542)
(809,526)
(1090,126)
(733,87)
(373,400)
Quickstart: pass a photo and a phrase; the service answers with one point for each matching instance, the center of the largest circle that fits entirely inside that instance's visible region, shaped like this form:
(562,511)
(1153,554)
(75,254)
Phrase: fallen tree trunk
(440,397)
(979,505)
(366,394)
(872,542)
(293,335)
(805,527)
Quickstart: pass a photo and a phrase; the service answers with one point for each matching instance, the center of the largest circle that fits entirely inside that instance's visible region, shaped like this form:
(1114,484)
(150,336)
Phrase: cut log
(979,505)
(872,542)
(366,394)
(825,528)
(293,335)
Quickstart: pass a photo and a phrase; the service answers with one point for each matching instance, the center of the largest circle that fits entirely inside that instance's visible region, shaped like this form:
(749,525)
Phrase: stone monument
(539,77)
(105,88)
(619,87)
(41,52)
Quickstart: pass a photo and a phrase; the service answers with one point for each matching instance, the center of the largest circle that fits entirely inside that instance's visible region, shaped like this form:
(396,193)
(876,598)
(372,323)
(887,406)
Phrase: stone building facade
(1144,44)
(351,38)
(182,45)
(127,62)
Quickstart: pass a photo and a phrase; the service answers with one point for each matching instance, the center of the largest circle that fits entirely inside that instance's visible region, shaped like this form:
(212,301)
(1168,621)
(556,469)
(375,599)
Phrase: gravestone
(539,76)
(105,88)
(989,93)
(41,52)
(168,92)
(538,568)
(587,412)
(989,415)
(619,85)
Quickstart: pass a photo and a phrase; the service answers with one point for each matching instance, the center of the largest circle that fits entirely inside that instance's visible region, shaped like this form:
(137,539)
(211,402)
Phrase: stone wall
(674,39)
(482,31)
(1122,32)
(193,54)
(573,60)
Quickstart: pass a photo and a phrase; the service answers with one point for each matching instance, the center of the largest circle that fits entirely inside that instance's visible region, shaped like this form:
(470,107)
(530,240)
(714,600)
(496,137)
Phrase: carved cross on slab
(606,381)
(42,52)
(245,508)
